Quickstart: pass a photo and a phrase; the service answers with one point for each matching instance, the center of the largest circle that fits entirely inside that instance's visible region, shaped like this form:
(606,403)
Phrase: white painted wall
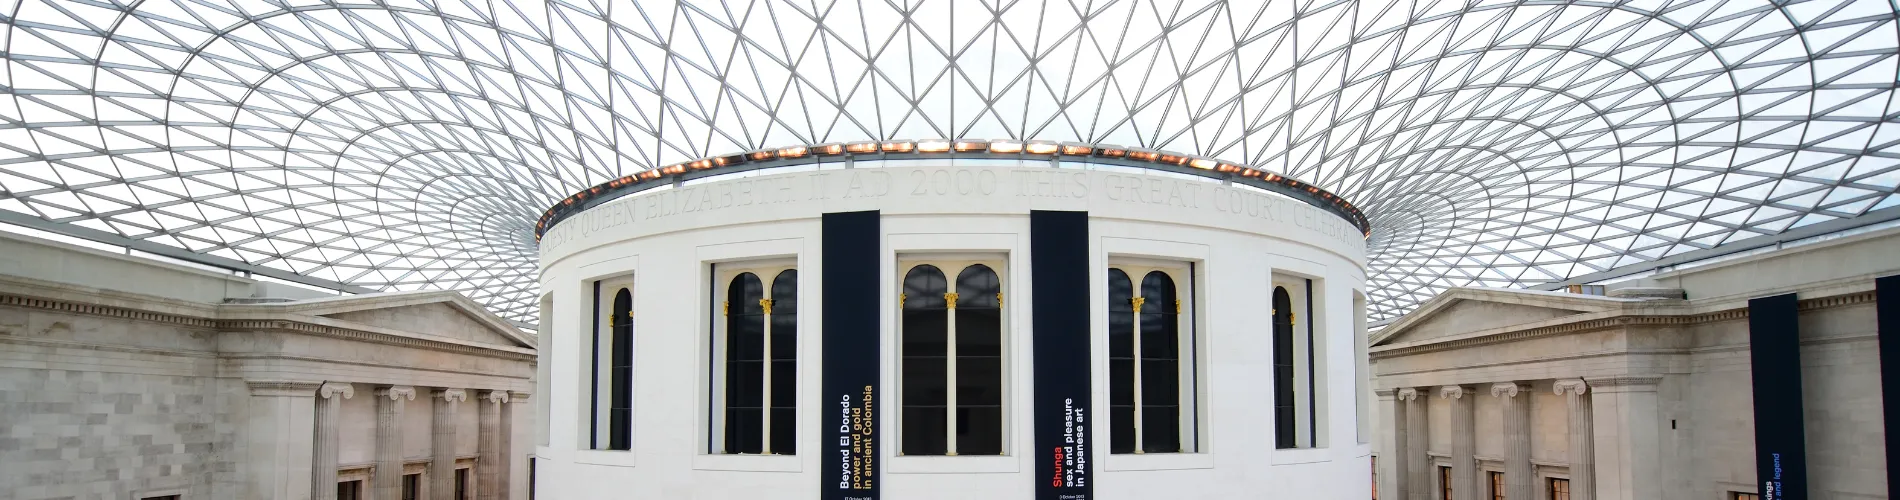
(668,239)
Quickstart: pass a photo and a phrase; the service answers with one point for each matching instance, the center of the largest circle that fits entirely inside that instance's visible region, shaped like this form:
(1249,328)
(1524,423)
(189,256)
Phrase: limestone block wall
(85,422)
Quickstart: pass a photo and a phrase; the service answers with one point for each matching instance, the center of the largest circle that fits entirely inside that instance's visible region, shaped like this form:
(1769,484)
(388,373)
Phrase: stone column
(1583,485)
(505,437)
(1392,470)
(488,466)
(1516,399)
(323,464)
(1417,464)
(275,449)
(1627,419)
(1464,441)
(386,479)
(442,443)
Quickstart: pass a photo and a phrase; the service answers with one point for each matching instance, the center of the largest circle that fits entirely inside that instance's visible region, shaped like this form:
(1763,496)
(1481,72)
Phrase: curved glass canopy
(413,144)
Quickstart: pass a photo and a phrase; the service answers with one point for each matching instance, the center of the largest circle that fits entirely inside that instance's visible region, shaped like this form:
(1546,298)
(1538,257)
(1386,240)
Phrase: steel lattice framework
(412,144)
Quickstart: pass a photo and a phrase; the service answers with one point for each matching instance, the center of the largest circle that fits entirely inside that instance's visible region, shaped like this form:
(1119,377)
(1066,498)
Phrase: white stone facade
(128,378)
(665,246)
(1642,394)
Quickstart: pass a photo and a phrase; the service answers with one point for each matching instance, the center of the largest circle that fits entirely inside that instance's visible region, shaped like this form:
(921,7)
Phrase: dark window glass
(620,409)
(461,484)
(1559,489)
(166,497)
(411,486)
(349,490)
(979,362)
(1444,483)
(745,365)
(1497,485)
(1121,362)
(924,347)
(785,362)
(1284,421)
(1160,365)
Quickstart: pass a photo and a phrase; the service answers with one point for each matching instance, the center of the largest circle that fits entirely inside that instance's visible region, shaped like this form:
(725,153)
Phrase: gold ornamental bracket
(1138,301)
(766,304)
(950,300)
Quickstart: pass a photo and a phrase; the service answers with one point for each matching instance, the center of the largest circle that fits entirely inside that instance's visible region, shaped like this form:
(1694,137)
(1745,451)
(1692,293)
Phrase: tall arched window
(745,361)
(1285,407)
(1152,376)
(609,354)
(951,355)
(756,361)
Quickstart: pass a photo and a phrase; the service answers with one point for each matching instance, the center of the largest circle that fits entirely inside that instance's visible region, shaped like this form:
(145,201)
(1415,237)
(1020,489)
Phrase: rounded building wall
(1225,248)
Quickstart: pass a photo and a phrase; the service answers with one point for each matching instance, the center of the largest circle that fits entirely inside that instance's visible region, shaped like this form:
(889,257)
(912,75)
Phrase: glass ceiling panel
(412,144)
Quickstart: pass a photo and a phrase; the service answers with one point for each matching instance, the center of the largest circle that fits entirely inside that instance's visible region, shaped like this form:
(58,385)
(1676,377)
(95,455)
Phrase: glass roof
(412,144)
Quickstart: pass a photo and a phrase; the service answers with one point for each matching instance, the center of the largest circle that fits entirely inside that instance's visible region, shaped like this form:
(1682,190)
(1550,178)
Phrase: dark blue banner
(1887,298)
(1781,454)
(1059,270)
(850,434)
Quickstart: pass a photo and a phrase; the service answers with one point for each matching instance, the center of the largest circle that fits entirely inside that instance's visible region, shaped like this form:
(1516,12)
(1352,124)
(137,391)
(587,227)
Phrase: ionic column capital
(1453,391)
(497,397)
(397,392)
(1508,389)
(333,389)
(1407,393)
(450,395)
(1572,386)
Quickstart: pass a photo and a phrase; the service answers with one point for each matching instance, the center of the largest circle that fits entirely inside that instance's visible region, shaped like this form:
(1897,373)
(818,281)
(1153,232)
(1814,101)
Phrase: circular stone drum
(953,329)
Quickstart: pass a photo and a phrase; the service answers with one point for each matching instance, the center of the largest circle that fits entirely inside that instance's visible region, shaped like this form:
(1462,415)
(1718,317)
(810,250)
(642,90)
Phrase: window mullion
(765,382)
(1138,382)
(950,373)
(721,334)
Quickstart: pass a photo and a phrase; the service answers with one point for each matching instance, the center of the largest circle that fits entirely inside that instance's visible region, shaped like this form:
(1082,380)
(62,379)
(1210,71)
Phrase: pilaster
(1627,420)
(386,479)
(442,442)
(1582,439)
(277,447)
(490,469)
(323,464)
(1464,441)
(1392,470)
(1418,438)
(1516,399)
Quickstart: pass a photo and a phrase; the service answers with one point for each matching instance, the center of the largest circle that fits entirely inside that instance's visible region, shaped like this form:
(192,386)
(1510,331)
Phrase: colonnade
(495,425)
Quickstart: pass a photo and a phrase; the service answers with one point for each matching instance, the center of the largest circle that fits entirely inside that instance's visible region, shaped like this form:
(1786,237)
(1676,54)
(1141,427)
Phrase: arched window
(745,362)
(1285,407)
(951,350)
(756,361)
(610,356)
(1151,374)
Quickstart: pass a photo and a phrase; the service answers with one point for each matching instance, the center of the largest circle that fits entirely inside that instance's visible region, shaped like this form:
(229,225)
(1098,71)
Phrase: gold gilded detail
(999,300)
(900,299)
(1177,306)
(1138,301)
(766,304)
(950,300)
(725,309)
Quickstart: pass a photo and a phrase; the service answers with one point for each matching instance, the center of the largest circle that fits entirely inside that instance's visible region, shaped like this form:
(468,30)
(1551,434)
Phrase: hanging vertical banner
(1059,272)
(850,334)
(1775,352)
(1887,300)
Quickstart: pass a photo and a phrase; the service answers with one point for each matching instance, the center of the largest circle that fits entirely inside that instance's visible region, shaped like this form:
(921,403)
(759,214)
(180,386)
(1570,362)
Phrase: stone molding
(334,389)
(397,392)
(1574,386)
(1385,393)
(1453,391)
(242,325)
(449,395)
(1407,394)
(519,396)
(1509,389)
(1590,325)
(1625,383)
(282,387)
(496,396)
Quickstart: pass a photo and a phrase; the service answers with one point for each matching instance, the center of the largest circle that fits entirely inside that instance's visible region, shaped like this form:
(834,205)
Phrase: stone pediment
(442,314)
(1460,311)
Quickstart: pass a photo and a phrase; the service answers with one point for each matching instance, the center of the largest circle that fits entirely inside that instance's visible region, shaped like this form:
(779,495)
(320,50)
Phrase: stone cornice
(1624,383)
(285,325)
(1615,322)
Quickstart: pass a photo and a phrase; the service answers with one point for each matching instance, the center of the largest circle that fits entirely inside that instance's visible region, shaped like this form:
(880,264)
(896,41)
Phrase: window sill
(1157,461)
(614,458)
(1292,456)
(748,463)
(991,464)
